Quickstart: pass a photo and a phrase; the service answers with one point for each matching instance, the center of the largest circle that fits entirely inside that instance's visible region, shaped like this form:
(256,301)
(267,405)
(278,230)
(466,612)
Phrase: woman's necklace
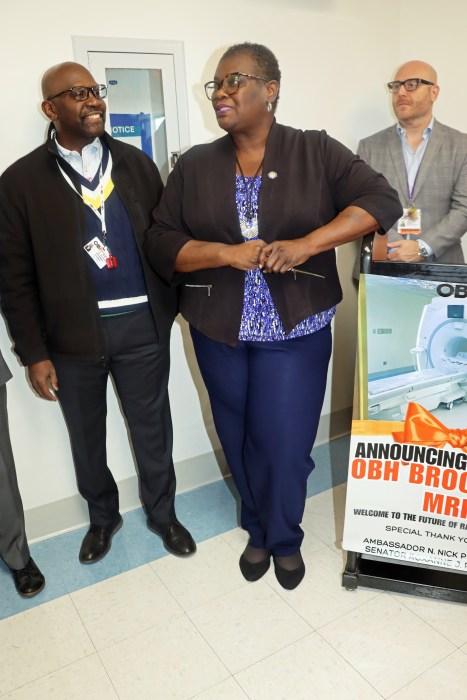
(248,190)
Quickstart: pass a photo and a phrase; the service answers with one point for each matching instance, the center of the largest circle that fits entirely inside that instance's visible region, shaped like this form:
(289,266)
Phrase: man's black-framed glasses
(81,92)
(410,84)
(230,84)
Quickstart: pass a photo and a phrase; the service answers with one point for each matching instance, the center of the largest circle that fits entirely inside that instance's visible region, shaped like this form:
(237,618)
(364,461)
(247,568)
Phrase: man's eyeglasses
(81,93)
(410,84)
(230,84)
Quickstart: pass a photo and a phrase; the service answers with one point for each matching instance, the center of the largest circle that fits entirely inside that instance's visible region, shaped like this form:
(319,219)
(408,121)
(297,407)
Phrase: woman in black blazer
(247,227)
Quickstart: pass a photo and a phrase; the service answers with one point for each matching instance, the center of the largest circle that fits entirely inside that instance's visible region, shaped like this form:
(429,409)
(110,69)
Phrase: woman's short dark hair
(267,64)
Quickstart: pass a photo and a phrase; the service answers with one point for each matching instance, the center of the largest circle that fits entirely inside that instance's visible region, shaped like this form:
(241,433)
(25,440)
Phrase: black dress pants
(139,365)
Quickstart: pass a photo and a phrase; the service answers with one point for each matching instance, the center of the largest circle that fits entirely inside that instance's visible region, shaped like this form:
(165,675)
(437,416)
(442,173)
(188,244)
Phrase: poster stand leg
(350,575)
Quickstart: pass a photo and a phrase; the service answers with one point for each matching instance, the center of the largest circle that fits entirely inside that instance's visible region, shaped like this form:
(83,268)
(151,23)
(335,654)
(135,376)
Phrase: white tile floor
(177,629)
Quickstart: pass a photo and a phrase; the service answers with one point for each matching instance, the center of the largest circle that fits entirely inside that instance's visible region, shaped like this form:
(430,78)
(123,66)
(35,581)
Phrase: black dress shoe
(254,571)
(97,541)
(289,578)
(28,581)
(176,538)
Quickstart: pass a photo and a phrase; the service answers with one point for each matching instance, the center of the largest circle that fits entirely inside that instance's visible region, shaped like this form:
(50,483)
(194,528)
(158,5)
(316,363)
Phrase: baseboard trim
(334,425)
(71,513)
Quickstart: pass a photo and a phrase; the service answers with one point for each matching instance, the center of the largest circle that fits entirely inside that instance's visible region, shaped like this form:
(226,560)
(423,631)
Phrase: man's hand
(43,379)
(404,251)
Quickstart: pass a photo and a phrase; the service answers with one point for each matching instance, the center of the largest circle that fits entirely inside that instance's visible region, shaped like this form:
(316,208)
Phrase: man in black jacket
(82,303)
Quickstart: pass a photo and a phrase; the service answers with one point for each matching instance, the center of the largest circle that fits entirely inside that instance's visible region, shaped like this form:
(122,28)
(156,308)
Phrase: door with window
(146,94)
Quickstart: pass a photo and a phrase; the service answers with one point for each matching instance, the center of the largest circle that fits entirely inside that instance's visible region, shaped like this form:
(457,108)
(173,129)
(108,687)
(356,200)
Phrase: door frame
(82,45)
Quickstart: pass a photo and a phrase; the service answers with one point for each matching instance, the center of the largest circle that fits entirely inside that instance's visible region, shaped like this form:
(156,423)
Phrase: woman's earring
(269,106)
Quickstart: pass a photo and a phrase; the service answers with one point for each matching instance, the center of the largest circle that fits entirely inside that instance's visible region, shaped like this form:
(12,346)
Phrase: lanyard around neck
(100,213)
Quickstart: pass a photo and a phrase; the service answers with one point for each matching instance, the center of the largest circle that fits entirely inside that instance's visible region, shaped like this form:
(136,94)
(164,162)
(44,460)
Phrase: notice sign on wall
(407,485)
(134,129)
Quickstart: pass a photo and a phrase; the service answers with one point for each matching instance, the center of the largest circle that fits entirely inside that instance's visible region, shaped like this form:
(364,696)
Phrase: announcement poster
(407,486)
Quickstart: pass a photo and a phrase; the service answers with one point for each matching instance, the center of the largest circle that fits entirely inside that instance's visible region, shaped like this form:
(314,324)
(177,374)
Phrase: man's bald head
(417,69)
(63,76)
(77,122)
(414,108)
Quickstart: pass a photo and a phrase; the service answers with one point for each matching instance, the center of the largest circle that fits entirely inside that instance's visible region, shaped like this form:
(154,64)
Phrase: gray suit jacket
(14,548)
(440,188)
(5,373)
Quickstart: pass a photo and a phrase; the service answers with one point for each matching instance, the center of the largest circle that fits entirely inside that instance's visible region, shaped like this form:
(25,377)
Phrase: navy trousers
(139,365)
(266,400)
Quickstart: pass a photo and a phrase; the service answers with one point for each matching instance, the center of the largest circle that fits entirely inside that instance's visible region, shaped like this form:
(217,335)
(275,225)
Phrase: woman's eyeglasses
(230,84)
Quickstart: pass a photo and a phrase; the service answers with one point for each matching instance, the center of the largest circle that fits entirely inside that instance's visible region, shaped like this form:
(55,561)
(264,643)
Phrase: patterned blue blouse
(260,320)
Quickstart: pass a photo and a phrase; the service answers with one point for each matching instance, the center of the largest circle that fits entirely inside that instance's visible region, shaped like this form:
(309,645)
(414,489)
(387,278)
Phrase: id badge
(98,252)
(410,223)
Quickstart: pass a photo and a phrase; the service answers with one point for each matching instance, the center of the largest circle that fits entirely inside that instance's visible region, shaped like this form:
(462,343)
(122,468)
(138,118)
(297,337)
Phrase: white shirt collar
(85,163)
(426,132)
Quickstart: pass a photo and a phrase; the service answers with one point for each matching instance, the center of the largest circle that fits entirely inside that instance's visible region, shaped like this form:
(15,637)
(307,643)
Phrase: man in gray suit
(14,548)
(426,162)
